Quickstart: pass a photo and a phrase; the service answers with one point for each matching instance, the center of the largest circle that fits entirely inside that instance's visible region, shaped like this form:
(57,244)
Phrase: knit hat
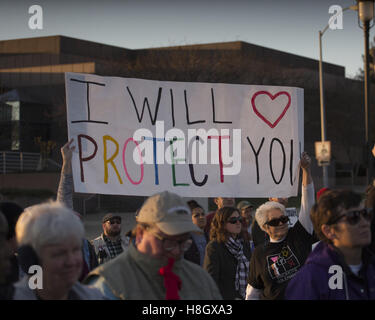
(109,216)
(169,212)
(320,192)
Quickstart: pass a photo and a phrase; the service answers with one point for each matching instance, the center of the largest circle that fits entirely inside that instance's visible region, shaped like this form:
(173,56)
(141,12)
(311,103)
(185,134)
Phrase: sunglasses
(113,221)
(276,222)
(169,244)
(234,220)
(353,217)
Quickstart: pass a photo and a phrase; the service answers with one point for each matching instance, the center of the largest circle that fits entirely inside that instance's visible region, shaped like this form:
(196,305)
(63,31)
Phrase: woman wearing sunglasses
(197,249)
(341,267)
(273,264)
(228,253)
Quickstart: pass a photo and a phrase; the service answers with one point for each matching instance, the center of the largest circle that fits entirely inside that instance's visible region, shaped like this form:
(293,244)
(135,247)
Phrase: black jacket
(258,235)
(222,266)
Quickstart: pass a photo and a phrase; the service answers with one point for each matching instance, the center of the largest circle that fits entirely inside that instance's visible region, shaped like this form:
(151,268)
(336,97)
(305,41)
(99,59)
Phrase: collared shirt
(114,247)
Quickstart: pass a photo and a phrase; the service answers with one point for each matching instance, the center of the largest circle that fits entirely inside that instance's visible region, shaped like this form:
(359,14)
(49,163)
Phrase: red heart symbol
(273,97)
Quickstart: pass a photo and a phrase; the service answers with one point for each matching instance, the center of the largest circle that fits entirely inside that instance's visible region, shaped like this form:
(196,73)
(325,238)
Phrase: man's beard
(113,233)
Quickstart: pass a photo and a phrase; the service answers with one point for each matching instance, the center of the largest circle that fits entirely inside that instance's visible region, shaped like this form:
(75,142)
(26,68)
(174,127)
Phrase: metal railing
(13,161)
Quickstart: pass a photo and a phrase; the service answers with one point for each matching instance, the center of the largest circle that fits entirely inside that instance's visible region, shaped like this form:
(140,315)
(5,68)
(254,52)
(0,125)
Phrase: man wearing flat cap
(110,243)
(153,268)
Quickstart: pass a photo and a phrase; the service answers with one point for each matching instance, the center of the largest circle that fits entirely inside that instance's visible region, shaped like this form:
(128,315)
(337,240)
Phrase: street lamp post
(322,110)
(365,15)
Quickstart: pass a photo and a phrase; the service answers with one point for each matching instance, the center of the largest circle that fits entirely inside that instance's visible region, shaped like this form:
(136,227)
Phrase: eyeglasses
(353,216)
(197,215)
(113,221)
(170,245)
(234,220)
(276,222)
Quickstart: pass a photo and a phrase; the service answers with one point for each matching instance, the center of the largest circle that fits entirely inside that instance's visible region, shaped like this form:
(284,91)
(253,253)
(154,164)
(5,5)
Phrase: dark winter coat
(222,266)
(312,282)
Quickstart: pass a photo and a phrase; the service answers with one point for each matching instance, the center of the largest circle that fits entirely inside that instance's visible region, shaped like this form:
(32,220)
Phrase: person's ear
(329,232)
(264,228)
(139,235)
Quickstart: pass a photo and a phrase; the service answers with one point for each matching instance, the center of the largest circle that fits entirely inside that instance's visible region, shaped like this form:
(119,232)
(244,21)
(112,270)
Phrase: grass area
(35,193)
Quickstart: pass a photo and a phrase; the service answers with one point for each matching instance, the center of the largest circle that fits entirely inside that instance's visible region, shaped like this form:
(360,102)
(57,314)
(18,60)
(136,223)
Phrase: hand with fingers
(67,154)
(305,161)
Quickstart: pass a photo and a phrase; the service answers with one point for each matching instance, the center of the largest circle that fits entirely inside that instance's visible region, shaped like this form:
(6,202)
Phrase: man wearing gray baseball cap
(153,267)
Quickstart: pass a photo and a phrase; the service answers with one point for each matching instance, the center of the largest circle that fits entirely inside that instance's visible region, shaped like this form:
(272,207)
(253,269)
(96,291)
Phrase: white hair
(48,223)
(261,215)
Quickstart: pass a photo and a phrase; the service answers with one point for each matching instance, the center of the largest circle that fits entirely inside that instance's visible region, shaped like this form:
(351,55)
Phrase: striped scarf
(235,247)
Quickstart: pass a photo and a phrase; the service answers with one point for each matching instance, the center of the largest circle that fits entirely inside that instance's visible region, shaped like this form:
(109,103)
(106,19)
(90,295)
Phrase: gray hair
(261,215)
(48,223)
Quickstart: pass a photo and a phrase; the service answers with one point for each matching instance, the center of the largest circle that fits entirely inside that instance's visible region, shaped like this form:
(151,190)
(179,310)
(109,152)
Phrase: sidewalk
(93,223)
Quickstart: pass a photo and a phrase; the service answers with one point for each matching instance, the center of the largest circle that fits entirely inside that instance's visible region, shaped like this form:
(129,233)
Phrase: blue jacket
(312,280)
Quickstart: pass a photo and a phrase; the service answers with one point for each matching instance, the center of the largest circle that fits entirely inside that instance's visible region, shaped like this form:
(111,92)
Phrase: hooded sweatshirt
(326,276)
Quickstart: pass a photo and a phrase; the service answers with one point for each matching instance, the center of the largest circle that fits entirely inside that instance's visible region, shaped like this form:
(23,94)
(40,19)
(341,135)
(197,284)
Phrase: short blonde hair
(48,223)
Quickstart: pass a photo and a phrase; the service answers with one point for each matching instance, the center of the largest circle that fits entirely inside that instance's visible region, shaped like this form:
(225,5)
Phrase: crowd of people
(178,251)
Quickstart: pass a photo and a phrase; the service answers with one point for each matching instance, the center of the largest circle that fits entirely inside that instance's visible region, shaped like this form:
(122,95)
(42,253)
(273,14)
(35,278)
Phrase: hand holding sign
(305,161)
(67,154)
(305,164)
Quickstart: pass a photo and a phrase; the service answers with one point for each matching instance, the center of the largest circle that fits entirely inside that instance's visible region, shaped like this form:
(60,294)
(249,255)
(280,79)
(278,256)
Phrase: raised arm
(65,189)
(308,193)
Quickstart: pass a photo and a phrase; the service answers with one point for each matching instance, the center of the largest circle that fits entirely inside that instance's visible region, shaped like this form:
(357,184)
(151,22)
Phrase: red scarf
(172,281)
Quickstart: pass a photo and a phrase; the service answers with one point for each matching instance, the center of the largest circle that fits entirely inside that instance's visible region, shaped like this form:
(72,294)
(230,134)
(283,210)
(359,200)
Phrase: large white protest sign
(139,137)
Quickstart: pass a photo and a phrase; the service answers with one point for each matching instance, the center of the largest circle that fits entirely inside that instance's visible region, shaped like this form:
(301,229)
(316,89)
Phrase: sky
(286,25)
